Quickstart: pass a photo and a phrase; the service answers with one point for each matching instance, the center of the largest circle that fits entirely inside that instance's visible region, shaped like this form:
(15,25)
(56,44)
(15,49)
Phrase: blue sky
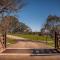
(35,13)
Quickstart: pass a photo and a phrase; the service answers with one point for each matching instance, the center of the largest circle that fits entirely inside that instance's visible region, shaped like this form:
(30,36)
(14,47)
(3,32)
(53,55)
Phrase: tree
(8,6)
(10,23)
(52,22)
(24,28)
(13,25)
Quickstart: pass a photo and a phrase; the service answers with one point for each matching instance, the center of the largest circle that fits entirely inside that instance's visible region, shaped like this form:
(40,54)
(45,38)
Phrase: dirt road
(25,43)
(15,37)
(29,44)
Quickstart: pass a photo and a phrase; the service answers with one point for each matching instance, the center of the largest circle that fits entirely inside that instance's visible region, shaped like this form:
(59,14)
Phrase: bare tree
(7,6)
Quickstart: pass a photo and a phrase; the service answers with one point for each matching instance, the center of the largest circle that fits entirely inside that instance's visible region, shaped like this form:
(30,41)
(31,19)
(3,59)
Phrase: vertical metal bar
(56,41)
(5,39)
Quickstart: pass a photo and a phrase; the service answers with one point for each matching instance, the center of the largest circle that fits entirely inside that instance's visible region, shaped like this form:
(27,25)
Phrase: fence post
(4,39)
(56,41)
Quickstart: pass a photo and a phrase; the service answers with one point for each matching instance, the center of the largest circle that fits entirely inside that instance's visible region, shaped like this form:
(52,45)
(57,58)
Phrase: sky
(35,13)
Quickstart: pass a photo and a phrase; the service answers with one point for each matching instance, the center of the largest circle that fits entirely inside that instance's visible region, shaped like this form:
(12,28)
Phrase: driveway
(14,37)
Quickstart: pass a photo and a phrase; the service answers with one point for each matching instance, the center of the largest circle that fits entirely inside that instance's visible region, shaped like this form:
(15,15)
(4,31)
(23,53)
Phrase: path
(27,44)
(24,43)
(14,37)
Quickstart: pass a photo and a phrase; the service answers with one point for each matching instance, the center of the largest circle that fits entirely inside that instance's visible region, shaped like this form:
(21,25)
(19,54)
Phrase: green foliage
(24,28)
(12,24)
(52,22)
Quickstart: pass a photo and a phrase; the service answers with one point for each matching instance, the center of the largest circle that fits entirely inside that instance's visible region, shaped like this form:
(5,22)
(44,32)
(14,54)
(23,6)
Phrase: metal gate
(57,39)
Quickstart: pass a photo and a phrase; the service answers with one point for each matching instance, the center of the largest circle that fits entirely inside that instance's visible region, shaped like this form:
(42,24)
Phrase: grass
(49,41)
(46,39)
(10,41)
(34,37)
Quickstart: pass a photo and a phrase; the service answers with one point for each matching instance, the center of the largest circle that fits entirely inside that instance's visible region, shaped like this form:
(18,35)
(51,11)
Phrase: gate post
(4,39)
(56,41)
